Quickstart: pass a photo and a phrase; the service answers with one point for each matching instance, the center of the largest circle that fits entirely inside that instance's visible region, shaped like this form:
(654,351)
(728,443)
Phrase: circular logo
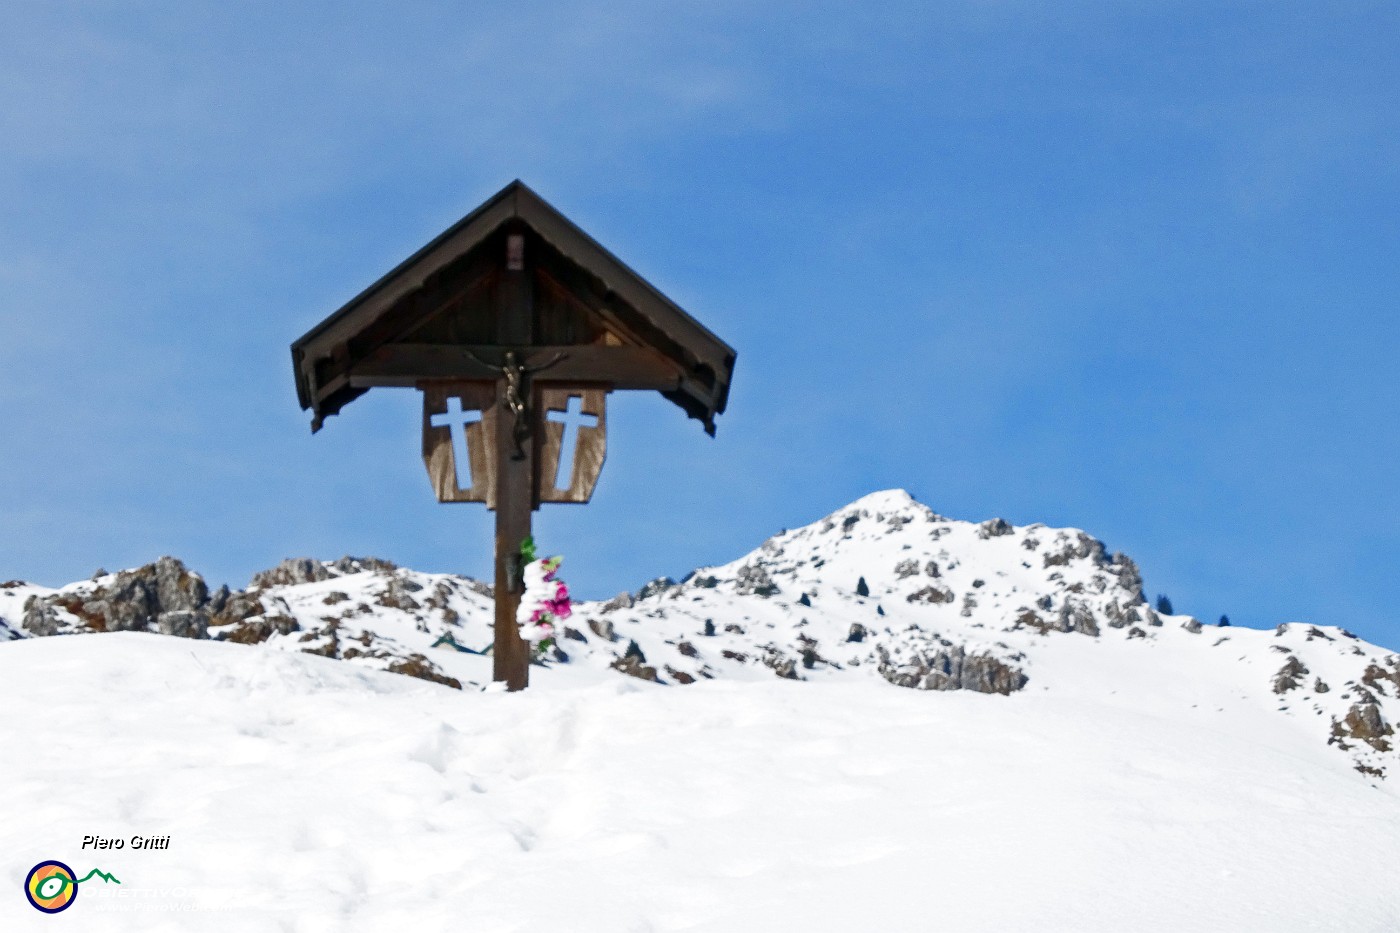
(50,887)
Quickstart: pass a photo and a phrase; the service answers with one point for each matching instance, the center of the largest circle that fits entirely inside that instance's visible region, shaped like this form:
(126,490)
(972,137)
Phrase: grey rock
(1129,577)
(40,618)
(184,623)
(634,667)
(1364,723)
(620,601)
(952,668)
(781,664)
(753,579)
(291,572)
(1076,617)
(994,528)
(931,595)
(1290,676)
(657,587)
(348,565)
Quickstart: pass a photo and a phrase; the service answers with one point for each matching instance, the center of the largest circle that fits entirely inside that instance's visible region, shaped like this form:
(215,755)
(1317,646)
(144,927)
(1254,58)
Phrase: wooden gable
(452,310)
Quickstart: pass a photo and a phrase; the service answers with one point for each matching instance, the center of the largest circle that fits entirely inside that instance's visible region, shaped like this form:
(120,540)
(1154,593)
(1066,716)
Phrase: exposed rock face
(167,598)
(1076,617)
(931,595)
(781,664)
(415,665)
(297,570)
(657,587)
(950,667)
(1290,676)
(1129,577)
(164,596)
(753,579)
(291,572)
(1364,723)
(40,618)
(633,666)
(1079,547)
(620,601)
(994,528)
(183,624)
(257,629)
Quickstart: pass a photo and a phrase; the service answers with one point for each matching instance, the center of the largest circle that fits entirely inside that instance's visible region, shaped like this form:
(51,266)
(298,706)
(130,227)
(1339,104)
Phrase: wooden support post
(514,503)
(515,464)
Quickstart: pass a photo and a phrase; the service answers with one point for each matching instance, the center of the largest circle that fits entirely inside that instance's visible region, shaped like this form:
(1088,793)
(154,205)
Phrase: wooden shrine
(515,325)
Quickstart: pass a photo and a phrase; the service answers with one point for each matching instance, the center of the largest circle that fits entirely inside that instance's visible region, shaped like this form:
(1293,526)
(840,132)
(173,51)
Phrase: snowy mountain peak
(882,589)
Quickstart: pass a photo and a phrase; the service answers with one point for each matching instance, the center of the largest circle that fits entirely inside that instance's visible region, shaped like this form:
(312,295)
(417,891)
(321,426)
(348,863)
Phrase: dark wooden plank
(620,367)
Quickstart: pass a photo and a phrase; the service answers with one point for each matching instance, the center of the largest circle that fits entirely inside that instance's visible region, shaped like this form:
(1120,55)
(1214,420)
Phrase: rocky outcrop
(931,595)
(297,570)
(994,528)
(1290,676)
(658,587)
(167,598)
(633,663)
(947,666)
(753,580)
(1364,722)
(906,568)
(1066,548)
(164,596)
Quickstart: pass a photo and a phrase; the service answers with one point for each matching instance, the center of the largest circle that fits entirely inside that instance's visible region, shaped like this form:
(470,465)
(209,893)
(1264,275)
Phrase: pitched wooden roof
(378,338)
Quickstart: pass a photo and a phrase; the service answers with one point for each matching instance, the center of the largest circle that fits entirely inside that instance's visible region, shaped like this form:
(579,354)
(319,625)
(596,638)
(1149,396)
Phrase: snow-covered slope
(734,752)
(303,794)
(882,589)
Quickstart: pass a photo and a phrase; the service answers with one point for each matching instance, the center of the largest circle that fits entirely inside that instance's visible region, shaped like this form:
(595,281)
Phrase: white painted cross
(569,419)
(456,421)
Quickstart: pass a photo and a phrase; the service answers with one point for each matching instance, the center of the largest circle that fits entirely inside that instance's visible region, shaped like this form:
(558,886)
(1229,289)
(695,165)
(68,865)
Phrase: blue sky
(1130,270)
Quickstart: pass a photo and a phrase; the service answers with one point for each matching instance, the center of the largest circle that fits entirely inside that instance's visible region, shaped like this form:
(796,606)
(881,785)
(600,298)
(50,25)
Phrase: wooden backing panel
(589,442)
(440,453)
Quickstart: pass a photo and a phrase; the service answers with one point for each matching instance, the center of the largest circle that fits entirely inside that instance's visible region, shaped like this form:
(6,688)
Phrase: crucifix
(515,325)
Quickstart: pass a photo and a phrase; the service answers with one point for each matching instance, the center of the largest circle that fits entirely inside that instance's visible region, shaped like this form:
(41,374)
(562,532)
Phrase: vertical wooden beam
(513,506)
(515,478)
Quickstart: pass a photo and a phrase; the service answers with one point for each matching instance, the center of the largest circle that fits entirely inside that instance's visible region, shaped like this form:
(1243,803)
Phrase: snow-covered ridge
(883,588)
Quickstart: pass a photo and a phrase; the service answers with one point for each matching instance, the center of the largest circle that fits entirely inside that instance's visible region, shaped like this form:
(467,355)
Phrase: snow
(304,794)
(1147,777)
